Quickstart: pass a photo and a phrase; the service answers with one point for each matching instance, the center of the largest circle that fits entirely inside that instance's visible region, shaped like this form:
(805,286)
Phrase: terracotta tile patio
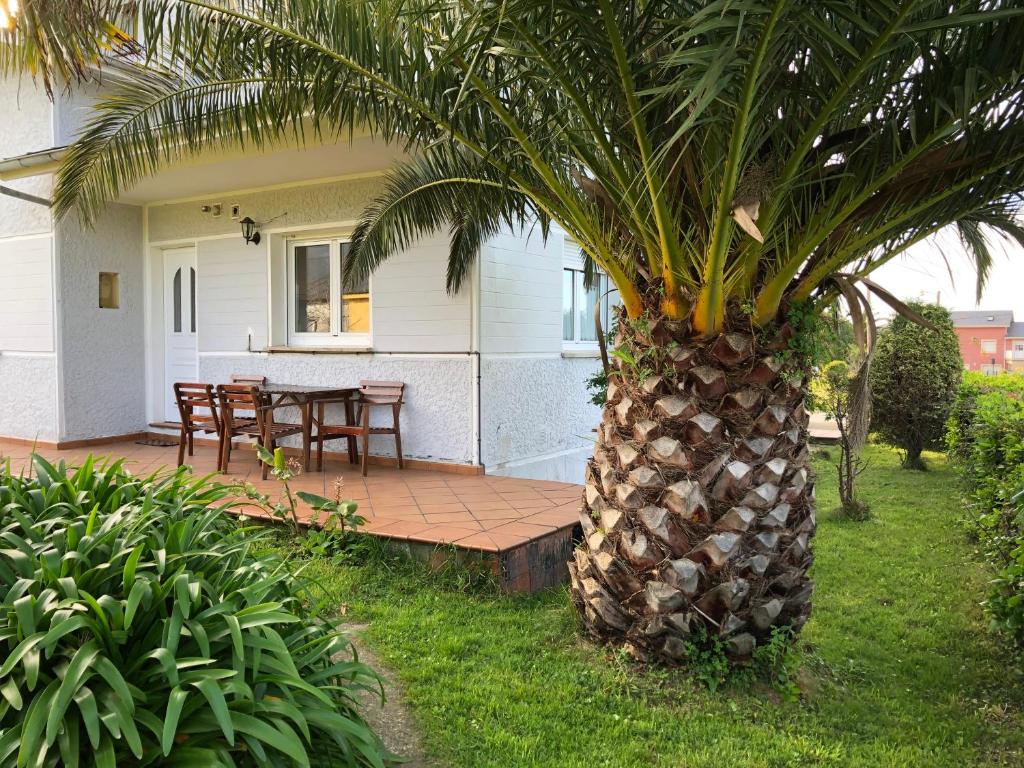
(523,528)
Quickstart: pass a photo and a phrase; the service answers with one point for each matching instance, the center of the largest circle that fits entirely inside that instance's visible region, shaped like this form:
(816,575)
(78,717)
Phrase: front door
(182,358)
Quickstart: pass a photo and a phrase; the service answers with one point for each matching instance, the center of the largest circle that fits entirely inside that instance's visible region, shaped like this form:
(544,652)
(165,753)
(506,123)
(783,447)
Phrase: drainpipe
(475,372)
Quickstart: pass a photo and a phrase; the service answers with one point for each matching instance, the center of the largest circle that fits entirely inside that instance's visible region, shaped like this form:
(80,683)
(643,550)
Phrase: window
(177,300)
(988,346)
(578,305)
(322,311)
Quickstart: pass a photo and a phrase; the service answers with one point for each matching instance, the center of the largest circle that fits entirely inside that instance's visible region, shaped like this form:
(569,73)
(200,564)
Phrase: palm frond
(61,43)
(446,187)
(850,129)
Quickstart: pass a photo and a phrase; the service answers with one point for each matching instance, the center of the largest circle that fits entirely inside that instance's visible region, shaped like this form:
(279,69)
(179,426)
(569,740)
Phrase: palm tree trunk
(698,510)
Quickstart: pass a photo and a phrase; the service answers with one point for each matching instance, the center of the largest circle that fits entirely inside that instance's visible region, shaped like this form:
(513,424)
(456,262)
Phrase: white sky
(921,273)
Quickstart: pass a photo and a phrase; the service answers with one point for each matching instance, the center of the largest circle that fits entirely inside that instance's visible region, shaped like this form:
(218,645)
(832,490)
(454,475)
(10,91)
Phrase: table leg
(307,431)
(350,420)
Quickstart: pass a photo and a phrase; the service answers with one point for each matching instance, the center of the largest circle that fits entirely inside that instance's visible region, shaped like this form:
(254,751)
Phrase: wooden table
(304,397)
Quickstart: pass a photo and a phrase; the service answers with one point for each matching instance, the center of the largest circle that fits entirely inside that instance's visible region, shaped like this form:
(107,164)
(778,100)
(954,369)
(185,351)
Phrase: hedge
(985,437)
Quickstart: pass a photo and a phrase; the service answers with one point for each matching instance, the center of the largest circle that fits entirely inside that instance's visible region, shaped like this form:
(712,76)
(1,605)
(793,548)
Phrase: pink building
(990,341)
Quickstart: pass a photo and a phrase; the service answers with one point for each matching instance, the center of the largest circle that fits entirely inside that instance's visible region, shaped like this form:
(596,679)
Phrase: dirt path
(393,721)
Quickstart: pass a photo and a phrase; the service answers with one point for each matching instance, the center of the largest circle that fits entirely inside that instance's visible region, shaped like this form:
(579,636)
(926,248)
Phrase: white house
(96,324)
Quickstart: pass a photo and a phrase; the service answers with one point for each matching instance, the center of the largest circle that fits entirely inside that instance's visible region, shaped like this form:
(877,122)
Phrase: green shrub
(961,415)
(985,435)
(1006,603)
(915,377)
(138,627)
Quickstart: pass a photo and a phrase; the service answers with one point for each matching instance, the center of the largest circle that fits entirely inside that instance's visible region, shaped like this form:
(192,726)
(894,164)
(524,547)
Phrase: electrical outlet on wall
(217,207)
(235,210)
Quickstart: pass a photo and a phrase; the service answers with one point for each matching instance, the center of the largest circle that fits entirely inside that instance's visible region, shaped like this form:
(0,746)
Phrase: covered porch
(521,529)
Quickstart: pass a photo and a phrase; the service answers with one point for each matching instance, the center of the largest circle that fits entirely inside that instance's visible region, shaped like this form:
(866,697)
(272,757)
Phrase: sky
(921,273)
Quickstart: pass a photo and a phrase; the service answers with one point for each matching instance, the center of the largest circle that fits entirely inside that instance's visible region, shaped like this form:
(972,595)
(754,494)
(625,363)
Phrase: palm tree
(733,166)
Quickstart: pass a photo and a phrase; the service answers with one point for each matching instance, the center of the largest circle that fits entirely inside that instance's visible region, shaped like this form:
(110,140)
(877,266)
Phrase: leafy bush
(985,435)
(138,626)
(914,379)
(1006,603)
(961,416)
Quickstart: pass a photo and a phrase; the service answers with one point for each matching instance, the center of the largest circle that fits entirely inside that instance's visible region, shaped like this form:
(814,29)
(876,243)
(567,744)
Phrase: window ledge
(319,350)
(585,353)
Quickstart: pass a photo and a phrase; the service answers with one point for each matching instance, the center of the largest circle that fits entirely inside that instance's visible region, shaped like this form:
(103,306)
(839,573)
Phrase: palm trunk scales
(698,509)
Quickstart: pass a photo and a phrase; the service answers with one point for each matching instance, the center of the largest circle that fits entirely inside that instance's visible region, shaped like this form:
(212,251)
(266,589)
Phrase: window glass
(988,345)
(176,293)
(355,300)
(587,330)
(312,288)
(192,295)
(567,305)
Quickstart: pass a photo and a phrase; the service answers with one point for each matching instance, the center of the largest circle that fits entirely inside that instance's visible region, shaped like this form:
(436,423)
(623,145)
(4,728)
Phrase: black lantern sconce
(250,231)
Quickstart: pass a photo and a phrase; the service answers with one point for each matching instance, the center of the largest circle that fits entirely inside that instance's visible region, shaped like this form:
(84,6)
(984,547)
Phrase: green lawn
(897,668)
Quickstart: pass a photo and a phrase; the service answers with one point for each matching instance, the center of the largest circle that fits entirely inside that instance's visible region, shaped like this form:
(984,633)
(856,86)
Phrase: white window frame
(992,351)
(335,337)
(572,260)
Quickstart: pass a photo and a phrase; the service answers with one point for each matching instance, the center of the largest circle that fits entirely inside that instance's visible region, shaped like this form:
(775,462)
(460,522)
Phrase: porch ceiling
(236,170)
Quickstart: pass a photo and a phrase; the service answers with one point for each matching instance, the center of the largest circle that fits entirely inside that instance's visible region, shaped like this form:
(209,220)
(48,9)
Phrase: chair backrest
(242,378)
(238,397)
(381,391)
(191,396)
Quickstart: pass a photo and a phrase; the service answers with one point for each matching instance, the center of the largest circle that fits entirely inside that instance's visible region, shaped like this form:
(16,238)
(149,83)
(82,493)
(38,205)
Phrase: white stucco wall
(28,377)
(28,396)
(420,334)
(298,206)
(411,310)
(102,353)
(26,127)
(536,416)
(436,418)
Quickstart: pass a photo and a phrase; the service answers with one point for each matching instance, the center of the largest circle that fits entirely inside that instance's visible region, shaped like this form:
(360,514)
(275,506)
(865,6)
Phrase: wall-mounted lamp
(250,231)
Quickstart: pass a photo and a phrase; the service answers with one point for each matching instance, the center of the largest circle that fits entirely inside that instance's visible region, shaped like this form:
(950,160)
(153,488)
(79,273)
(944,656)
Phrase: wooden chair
(236,399)
(372,394)
(198,411)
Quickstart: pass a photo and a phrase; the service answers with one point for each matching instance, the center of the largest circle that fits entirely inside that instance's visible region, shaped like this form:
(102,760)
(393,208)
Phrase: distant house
(97,324)
(990,341)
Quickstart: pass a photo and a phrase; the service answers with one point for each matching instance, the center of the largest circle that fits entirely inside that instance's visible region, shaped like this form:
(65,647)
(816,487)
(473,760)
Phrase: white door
(182,358)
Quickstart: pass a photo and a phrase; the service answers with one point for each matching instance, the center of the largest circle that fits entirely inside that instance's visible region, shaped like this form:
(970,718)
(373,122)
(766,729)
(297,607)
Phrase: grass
(897,668)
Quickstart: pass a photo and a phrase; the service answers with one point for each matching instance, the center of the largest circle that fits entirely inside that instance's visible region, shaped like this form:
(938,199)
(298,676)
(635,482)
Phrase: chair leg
(366,450)
(398,438)
(181,446)
(319,450)
(269,445)
(227,453)
(191,441)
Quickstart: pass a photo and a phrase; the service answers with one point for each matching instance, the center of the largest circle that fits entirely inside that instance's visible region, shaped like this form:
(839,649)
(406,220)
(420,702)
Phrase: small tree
(835,392)
(914,381)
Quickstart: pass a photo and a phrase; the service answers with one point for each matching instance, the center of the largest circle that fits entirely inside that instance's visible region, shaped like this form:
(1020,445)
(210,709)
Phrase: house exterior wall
(536,415)
(420,334)
(436,420)
(27,127)
(1015,356)
(971,340)
(101,351)
(28,363)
